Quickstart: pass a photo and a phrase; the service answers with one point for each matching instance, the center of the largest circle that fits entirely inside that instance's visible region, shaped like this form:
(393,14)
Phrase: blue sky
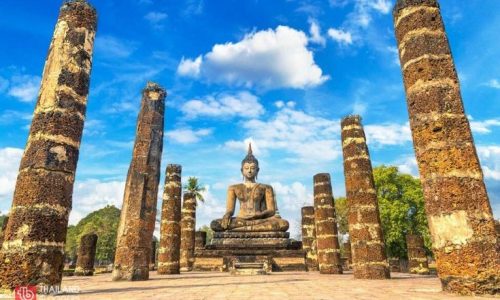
(278,73)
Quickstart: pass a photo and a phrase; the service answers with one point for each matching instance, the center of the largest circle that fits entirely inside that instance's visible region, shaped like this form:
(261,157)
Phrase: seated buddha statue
(258,209)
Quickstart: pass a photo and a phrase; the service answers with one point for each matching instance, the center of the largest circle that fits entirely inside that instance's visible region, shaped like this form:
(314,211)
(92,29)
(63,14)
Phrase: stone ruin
(417,259)
(33,246)
(138,215)
(369,260)
(454,191)
(456,202)
(86,255)
(309,243)
(255,240)
(327,241)
(170,227)
(188,227)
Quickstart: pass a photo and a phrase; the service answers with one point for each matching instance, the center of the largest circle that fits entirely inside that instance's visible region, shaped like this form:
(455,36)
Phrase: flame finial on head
(250,158)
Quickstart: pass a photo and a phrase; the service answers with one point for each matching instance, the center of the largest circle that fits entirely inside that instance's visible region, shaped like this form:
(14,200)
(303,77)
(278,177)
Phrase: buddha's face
(249,170)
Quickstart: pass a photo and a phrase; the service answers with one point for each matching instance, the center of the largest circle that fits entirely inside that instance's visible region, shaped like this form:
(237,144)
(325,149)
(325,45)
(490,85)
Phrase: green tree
(209,231)
(401,205)
(194,186)
(341,215)
(103,222)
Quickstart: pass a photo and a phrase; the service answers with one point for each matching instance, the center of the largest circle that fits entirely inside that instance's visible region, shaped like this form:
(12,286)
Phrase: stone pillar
(4,226)
(33,249)
(170,228)
(200,240)
(417,260)
(152,261)
(86,255)
(348,254)
(309,238)
(188,224)
(138,215)
(365,231)
(328,247)
(456,202)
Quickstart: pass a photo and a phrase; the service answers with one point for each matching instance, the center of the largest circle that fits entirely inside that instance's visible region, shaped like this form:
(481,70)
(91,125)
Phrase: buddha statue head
(250,165)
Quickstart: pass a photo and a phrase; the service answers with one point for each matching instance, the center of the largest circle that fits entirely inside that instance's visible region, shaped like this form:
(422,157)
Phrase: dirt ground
(283,285)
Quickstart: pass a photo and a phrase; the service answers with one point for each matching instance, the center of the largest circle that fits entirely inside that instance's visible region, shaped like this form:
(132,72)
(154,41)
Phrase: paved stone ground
(285,285)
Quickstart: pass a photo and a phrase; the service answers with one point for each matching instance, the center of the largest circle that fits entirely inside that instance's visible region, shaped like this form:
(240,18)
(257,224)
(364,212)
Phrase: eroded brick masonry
(33,247)
(456,202)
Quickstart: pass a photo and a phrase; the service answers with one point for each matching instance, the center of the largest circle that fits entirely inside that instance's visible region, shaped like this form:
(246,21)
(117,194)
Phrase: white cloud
(267,59)
(382,6)
(340,36)
(483,127)
(292,197)
(305,138)
(407,165)
(187,135)
(315,32)
(112,47)
(493,83)
(24,87)
(92,194)
(10,158)
(363,10)
(189,67)
(242,104)
(490,161)
(388,134)
(212,208)
(156,18)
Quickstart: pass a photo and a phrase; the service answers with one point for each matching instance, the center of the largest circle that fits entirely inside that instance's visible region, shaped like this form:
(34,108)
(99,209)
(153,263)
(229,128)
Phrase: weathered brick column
(170,228)
(365,231)
(456,202)
(328,247)
(152,260)
(417,260)
(33,248)
(138,215)
(200,240)
(86,255)
(188,225)
(309,238)
(348,254)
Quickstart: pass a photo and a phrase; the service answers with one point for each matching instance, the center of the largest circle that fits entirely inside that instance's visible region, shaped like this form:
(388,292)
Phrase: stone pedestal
(138,215)
(33,247)
(86,255)
(460,217)
(245,240)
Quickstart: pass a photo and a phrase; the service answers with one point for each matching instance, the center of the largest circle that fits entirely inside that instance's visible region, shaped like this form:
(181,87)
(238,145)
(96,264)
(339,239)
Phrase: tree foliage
(341,215)
(195,187)
(209,231)
(2,219)
(103,222)
(401,206)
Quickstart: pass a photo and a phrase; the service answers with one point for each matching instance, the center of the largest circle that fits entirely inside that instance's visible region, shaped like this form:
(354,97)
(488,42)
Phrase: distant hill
(103,222)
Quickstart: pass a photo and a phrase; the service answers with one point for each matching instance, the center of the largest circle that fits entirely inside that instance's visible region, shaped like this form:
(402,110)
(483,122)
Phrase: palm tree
(196,188)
